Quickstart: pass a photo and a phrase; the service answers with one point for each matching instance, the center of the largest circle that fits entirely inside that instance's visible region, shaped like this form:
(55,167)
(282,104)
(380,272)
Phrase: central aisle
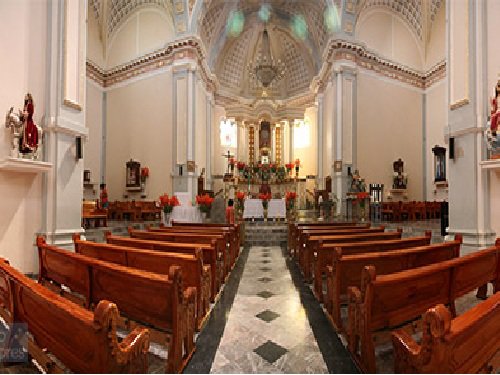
(267,330)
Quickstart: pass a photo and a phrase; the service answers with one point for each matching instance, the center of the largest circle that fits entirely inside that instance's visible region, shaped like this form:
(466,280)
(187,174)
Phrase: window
(228,133)
(302,134)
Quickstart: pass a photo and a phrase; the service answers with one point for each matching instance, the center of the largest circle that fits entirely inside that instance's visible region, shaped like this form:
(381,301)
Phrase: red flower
(362,195)
(289,166)
(168,203)
(145,172)
(240,195)
(265,197)
(291,195)
(240,165)
(204,200)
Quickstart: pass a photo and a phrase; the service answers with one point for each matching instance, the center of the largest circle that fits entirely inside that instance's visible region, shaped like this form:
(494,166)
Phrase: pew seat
(463,345)
(84,341)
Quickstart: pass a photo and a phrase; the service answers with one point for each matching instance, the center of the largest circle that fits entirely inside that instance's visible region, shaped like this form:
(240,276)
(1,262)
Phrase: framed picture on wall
(133,175)
(439,163)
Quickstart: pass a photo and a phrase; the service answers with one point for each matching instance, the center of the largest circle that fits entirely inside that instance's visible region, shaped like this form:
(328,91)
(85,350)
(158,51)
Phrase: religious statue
(26,135)
(400,179)
(491,134)
(357,184)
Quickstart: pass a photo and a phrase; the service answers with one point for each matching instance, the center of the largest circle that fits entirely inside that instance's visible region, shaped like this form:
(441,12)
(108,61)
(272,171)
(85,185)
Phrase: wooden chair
(91,213)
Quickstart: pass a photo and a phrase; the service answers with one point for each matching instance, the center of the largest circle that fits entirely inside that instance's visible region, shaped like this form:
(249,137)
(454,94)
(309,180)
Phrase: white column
(338,180)
(209,115)
(291,140)
(273,143)
(239,144)
(62,187)
(191,127)
(319,155)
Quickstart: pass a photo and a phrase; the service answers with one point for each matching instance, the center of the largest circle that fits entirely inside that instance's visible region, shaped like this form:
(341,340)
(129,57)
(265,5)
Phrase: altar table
(253,209)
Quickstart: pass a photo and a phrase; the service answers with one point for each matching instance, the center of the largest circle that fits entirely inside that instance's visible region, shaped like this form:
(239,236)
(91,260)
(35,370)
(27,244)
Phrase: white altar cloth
(253,209)
(185,214)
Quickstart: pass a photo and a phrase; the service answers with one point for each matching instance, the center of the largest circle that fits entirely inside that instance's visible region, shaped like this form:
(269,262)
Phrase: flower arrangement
(289,167)
(168,203)
(204,202)
(240,165)
(240,195)
(144,173)
(361,196)
(265,199)
(290,199)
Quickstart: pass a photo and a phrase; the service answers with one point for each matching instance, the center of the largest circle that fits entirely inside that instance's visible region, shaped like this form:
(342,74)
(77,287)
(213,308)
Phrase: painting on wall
(439,163)
(133,175)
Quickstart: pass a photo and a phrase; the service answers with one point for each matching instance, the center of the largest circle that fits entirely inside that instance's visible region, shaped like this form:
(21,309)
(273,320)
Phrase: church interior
(250,186)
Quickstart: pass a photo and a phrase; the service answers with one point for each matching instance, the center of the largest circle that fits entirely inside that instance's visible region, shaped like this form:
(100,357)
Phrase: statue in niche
(400,179)
(491,133)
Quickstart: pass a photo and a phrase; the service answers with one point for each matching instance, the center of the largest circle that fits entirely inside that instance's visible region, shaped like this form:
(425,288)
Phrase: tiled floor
(267,330)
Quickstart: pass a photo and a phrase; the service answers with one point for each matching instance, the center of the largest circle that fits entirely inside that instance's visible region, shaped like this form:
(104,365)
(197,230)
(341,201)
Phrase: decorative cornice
(186,49)
(366,59)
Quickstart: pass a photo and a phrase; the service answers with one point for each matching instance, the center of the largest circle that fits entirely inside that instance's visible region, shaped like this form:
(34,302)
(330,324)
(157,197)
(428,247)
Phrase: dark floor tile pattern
(265,294)
(267,315)
(270,351)
(265,279)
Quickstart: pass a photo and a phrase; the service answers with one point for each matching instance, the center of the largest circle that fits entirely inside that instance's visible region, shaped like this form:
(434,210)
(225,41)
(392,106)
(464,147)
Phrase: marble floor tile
(267,329)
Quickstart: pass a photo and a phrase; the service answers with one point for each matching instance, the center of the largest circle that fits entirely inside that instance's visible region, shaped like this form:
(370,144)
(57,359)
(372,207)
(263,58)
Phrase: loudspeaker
(79,148)
(452,148)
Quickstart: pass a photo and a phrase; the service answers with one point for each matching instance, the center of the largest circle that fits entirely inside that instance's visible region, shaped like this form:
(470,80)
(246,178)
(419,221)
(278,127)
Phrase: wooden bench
(228,233)
(307,253)
(294,227)
(304,234)
(325,254)
(195,274)
(148,210)
(346,269)
(464,345)
(144,297)
(84,341)
(209,255)
(190,238)
(391,300)
(91,213)
(121,210)
(235,227)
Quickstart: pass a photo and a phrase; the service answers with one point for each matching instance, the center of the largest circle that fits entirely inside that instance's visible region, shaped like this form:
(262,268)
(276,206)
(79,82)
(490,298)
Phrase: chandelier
(264,69)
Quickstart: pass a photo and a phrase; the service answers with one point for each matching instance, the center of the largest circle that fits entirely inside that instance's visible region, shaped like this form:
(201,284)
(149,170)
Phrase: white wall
(23,69)
(139,126)
(308,155)
(390,36)
(389,126)
(92,154)
(435,122)
(436,46)
(143,32)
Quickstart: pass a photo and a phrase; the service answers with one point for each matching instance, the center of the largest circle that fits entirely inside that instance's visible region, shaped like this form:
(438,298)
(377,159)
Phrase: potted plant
(361,198)
(240,198)
(265,197)
(290,202)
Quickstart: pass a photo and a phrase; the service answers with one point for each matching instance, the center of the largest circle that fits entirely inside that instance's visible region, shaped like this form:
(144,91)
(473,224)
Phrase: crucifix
(228,156)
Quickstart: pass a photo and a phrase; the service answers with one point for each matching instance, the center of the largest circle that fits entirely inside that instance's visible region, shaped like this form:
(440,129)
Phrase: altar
(276,209)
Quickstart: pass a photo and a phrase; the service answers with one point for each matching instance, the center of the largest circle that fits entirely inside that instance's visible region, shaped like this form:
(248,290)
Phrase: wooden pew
(293,227)
(191,238)
(92,213)
(148,210)
(313,242)
(236,227)
(346,269)
(84,341)
(146,298)
(463,345)
(304,234)
(208,250)
(325,254)
(195,274)
(228,233)
(390,300)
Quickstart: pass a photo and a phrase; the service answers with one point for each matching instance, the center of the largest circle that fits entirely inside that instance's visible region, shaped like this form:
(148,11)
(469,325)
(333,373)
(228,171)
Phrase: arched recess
(388,34)
(145,30)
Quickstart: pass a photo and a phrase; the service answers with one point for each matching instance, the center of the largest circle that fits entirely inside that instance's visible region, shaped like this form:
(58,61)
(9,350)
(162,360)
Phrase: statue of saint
(30,130)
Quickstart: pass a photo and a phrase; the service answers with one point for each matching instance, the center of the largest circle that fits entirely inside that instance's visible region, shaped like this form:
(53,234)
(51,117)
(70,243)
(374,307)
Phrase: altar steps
(265,233)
